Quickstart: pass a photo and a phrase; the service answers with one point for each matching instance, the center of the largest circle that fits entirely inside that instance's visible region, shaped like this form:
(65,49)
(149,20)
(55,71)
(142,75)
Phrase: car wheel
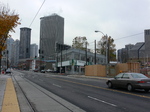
(146,90)
(110,85)
(130,87)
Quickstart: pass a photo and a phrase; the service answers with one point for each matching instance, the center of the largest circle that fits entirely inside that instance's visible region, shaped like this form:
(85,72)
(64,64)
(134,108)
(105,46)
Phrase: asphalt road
(91,95)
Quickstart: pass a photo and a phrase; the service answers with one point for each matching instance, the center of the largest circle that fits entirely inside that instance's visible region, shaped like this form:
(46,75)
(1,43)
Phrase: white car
(8,70)
(49,70)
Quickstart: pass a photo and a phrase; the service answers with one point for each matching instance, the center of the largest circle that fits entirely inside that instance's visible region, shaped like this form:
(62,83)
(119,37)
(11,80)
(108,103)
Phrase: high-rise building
(33,50)
(51,32)
(15,50)
(25,37)
(9,48)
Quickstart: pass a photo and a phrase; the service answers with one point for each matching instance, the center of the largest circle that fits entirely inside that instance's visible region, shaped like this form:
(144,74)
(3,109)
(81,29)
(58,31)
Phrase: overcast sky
(116,18)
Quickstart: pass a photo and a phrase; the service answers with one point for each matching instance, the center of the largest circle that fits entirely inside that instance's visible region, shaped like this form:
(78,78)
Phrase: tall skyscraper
(15,50)
(51,32)
(33,50)
(9,48)
(25,37)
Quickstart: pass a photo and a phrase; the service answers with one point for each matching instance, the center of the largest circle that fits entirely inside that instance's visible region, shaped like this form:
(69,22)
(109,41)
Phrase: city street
(91,95)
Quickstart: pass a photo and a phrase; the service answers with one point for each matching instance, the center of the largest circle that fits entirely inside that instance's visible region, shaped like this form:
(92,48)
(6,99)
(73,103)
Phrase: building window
(76,56)
(76,68)
(63,57)
(147,32)
(82,70)
(83,57)
(68,56)
(68,68)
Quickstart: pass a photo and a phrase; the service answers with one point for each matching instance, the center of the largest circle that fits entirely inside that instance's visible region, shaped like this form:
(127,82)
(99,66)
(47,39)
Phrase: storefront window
(82,70)
(68,68)
(83,57)
(76,56)
(76,68)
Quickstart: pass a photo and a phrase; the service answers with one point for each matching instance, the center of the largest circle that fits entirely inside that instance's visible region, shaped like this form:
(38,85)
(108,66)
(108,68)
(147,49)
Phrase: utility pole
(95,53)
(106,50)
(7,59)
(61,59)
(86,53)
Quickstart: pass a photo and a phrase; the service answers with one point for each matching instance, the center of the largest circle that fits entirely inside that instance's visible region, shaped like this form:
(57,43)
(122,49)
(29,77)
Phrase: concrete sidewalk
(3,79)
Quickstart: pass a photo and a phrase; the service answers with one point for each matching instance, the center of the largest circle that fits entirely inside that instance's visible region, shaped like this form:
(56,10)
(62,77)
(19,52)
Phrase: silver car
(130,81)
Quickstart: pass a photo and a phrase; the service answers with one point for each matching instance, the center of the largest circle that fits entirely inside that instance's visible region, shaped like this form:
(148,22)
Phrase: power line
(129,36)
(37,13)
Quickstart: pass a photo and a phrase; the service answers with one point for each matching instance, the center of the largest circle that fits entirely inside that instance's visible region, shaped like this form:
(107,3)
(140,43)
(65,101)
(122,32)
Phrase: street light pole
(106,45)
(95,54)
(96,31)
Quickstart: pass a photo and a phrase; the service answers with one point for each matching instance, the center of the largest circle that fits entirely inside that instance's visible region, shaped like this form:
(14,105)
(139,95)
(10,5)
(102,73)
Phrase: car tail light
(141,82)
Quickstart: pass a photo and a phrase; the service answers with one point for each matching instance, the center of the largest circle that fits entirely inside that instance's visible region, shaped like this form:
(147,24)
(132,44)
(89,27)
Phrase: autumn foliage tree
(102,44)
(80,43)
(8,21)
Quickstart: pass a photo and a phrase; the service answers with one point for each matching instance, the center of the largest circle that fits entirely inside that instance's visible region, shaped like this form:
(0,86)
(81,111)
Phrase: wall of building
(51,31)
(25,38)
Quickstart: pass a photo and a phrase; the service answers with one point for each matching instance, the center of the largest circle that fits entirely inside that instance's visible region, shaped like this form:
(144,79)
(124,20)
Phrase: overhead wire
(37,13)
(130,36)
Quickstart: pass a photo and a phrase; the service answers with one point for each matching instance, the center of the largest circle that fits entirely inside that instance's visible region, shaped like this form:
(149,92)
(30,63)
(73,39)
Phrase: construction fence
(112,69)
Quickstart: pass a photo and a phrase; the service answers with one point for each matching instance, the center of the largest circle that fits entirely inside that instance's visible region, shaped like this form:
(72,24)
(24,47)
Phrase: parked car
(8,70)
(36,70)
(42,71)
(49,70)
(130,81)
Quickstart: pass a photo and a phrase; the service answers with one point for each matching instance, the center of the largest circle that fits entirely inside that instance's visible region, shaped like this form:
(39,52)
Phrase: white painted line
(102,101)
(57,85)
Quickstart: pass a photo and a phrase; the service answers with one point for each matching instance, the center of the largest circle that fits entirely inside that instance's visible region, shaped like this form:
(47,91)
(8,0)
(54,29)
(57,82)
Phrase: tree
(80,43)
(111,48)
(8,21)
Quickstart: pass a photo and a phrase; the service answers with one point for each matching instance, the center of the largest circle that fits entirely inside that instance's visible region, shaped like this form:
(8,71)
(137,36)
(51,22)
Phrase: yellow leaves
(3,47)
(8,21)
(0,56)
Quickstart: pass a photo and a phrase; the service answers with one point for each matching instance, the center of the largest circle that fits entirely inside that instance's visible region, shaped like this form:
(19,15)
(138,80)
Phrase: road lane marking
(148,97)
(102,101)
(56,85)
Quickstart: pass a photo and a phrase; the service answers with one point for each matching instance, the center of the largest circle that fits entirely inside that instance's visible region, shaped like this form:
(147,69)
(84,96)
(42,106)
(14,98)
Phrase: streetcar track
(31,105)
(28,101)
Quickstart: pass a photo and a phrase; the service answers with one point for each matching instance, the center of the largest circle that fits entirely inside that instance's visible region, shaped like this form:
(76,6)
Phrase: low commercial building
(73,61)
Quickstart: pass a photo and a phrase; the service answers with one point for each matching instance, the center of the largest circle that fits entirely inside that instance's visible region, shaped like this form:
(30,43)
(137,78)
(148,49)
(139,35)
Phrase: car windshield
(138,75)
(119,75)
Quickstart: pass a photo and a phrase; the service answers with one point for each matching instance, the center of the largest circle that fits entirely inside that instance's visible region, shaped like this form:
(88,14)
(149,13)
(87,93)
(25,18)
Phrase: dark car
(130,81)
(36,70)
